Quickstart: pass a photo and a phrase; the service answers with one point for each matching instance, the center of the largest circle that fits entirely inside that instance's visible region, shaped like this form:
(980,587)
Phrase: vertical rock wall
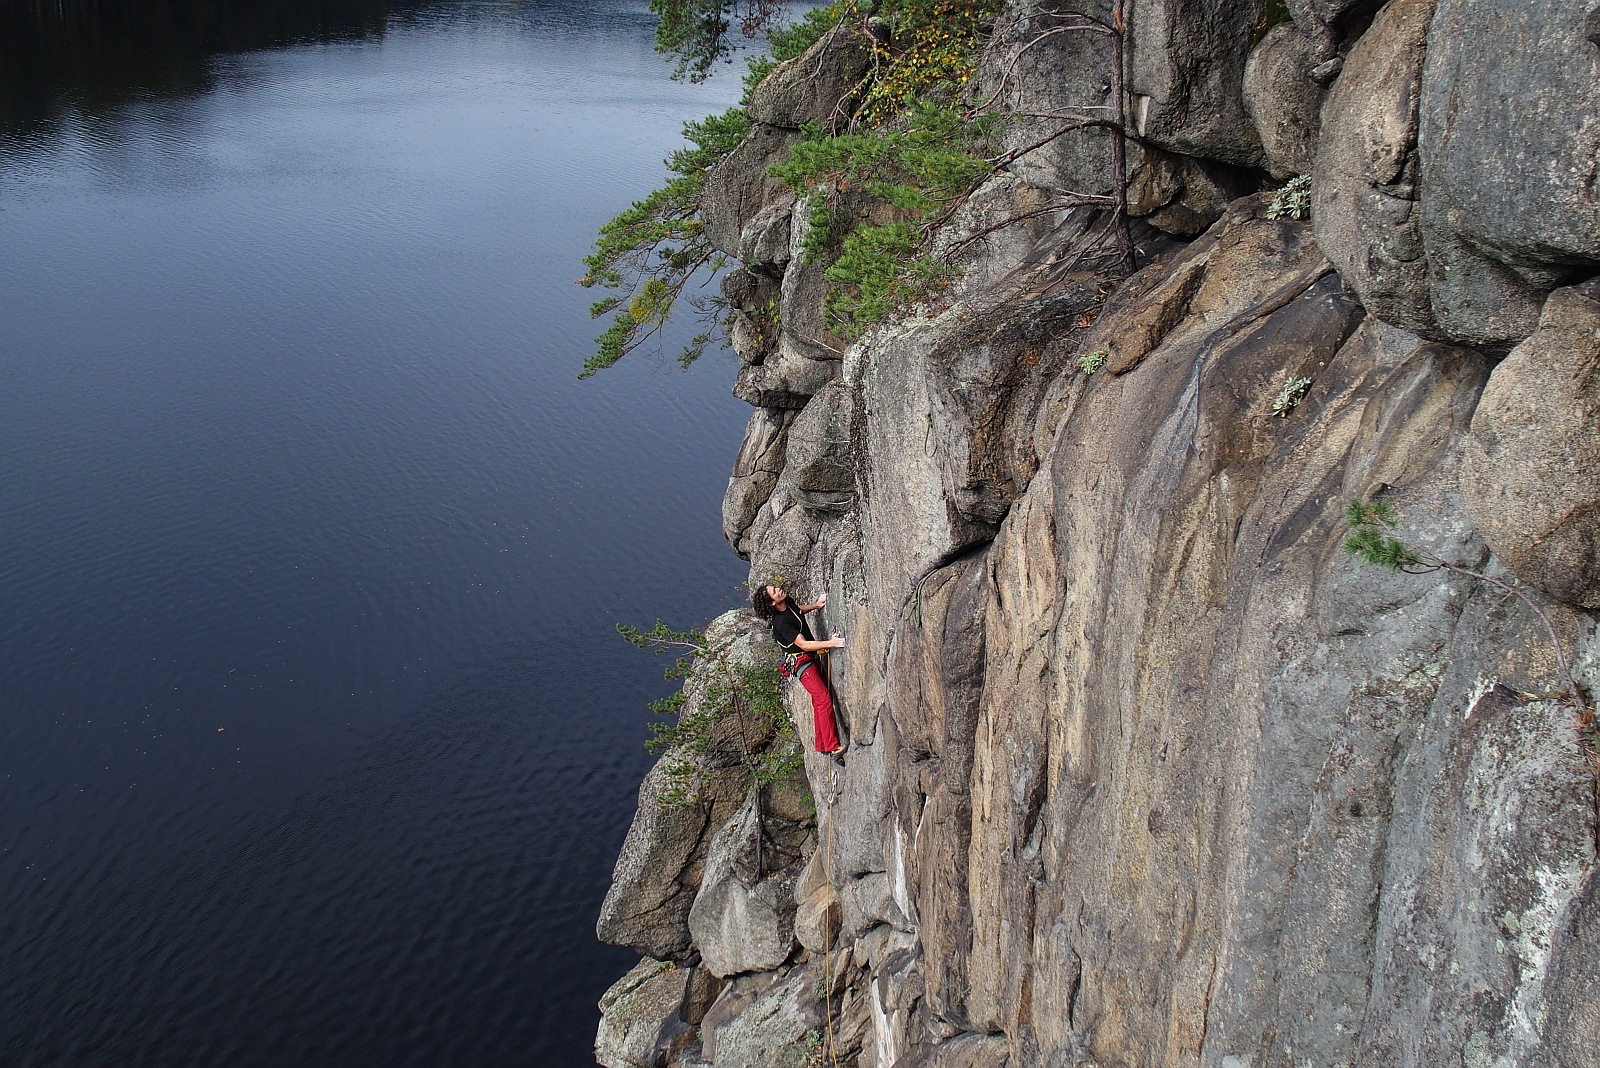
(1143,769)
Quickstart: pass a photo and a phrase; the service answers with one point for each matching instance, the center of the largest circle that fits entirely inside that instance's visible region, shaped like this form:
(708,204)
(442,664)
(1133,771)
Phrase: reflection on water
(316,742)
(93,56)
(90,56)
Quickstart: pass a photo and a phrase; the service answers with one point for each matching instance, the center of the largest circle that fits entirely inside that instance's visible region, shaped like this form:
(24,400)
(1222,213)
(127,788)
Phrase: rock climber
(789,630)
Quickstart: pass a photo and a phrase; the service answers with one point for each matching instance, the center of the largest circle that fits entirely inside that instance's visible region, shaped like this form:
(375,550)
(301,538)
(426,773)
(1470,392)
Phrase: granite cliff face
(1143,769)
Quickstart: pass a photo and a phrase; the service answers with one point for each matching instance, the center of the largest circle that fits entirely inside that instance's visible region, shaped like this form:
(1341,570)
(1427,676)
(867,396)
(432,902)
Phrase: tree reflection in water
(92,56)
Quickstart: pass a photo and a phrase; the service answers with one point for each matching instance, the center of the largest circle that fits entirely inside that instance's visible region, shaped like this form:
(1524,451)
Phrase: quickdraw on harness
(794,663)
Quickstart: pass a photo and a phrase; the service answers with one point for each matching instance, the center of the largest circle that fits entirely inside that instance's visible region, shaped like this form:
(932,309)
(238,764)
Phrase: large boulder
(743,917)
(817,913)
(765,239)
(1509,141)
(820,470)
(1186,62)
(739,188)
(1455,180)
(948,406)
(1027,73)
(689,792)
(868,901)
(657,871)
(786,379)
(1283,100)
(1531,472)
(1364,198)
(818,86)
(640,1023)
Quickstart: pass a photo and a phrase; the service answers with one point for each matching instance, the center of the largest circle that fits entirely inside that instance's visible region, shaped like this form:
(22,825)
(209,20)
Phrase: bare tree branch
(1076,200)
(1119,147)
(1096,27)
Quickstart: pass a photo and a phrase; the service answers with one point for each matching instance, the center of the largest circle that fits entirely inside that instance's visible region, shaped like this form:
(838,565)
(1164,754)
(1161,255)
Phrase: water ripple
(317,744)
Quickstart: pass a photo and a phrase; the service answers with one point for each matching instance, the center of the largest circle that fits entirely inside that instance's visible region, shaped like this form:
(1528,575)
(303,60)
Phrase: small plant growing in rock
(811,1045)
(1090,362)
(765,322)
(1293,201)
(1293,392)
(1369,539)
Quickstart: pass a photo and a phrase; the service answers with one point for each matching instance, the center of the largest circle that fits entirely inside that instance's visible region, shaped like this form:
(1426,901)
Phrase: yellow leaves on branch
(652,304)
(935,49)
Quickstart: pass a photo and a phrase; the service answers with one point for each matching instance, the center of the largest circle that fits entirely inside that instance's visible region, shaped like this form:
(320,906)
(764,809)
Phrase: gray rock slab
(755,473)
(761,1021)
(821,85)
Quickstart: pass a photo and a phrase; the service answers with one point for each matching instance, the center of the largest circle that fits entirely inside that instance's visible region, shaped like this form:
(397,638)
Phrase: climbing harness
(794,663)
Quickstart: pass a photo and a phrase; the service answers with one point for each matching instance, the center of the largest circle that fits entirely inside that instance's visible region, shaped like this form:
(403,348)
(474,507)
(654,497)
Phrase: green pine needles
(1368,521)
(921,168)
(658,244)
(699,33)
(736,706)
(912,151)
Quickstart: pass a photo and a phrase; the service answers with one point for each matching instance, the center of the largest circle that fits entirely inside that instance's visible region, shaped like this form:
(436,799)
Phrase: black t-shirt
(788,625)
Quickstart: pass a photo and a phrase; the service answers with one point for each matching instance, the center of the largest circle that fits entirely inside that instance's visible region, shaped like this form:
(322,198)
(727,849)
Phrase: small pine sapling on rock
(738,696)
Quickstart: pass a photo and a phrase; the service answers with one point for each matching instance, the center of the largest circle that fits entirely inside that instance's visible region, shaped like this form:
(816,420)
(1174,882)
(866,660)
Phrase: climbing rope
(824,666)
(827,927)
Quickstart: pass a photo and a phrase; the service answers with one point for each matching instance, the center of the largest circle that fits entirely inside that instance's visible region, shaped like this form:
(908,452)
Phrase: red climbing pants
(826,734)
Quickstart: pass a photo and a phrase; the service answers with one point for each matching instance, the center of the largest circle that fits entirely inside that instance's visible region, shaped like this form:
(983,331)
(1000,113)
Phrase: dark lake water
(316,742)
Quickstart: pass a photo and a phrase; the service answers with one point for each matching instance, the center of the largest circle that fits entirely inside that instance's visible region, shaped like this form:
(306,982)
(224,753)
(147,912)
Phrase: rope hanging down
(827,926)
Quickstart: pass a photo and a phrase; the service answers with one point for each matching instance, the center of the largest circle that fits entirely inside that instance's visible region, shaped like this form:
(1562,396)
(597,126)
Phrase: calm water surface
(316,743)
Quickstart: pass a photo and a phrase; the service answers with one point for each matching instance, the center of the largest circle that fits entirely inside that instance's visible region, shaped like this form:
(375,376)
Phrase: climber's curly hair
(762,600)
